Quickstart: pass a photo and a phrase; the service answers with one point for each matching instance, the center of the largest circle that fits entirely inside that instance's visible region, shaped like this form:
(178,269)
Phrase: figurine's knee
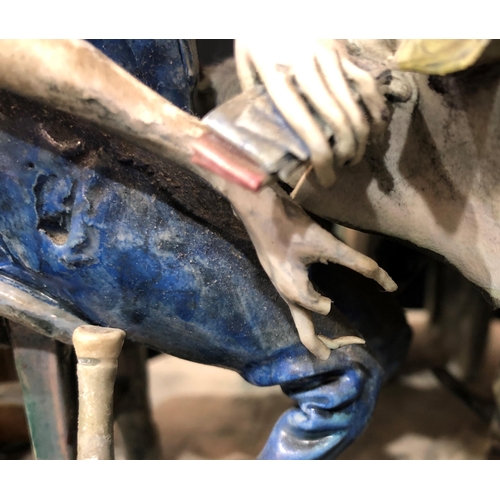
(331,412)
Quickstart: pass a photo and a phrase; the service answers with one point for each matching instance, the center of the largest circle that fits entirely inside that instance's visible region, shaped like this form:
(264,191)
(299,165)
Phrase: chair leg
(132,405)
(494,451)
(46,370)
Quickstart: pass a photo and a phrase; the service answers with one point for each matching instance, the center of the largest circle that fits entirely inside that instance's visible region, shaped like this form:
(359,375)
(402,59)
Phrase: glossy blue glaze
(124,240)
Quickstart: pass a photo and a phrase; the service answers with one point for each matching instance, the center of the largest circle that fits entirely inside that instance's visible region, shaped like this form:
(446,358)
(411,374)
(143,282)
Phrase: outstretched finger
(245,69)
(305,328)
(335,80)
(367,89)
(294,109)
(340,253)
(325,103)
(369,268)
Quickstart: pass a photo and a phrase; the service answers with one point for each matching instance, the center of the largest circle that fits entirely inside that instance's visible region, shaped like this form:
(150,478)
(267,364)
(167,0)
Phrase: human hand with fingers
(307,79)
(287,241)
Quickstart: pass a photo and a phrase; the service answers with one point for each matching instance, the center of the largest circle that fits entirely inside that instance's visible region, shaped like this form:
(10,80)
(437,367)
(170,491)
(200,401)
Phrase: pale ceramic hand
(300,74)
(287,241)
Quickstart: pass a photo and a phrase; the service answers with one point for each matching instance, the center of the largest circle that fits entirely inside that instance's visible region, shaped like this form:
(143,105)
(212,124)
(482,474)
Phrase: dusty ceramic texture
(121,240)
(435,180)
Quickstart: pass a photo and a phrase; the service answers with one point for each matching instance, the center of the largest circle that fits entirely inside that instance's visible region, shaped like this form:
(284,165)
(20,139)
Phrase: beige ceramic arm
(75,77)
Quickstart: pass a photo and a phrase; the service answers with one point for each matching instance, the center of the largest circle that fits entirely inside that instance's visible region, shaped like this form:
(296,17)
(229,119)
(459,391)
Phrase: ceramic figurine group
(210,239)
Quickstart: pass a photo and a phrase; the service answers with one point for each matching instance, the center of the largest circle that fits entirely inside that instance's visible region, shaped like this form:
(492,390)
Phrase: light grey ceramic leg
(97,350)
